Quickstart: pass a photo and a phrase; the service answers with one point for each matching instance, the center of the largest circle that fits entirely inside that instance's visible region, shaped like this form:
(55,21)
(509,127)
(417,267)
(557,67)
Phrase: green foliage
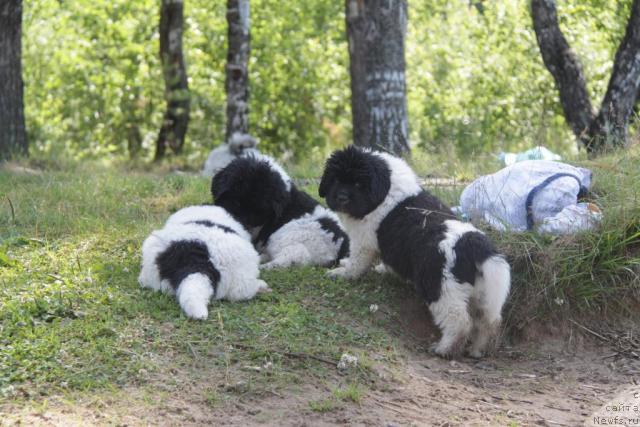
(475,81)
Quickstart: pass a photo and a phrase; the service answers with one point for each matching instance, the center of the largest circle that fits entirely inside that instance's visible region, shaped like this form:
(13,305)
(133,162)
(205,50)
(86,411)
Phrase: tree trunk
(13,139)
(355,20)
(237,71)
(609,127)
(563,65)
(376,31)
(176,118)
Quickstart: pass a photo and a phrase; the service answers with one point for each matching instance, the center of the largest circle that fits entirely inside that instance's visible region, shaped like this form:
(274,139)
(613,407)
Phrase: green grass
(323,405)
(351,392)
(73,317)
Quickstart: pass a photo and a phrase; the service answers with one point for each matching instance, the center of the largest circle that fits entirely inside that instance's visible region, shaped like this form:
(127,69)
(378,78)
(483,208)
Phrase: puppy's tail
(193,295)
(493,285)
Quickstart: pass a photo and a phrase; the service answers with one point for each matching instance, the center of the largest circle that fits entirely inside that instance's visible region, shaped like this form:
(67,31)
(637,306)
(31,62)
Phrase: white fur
(225,153)
(194,294)
(208,213)
(302,241)
(231,254)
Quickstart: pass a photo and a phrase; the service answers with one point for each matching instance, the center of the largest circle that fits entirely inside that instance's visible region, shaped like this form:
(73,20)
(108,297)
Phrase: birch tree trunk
(607,128)
(237,71)
(176,118)
(376,30)
(13,139)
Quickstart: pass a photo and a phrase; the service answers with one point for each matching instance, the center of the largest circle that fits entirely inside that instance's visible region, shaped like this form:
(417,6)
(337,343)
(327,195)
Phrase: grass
(73,318)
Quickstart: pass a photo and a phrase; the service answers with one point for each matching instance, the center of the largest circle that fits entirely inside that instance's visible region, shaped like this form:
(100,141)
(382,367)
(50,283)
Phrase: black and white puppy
(289,227)
(201,253)
(451,264)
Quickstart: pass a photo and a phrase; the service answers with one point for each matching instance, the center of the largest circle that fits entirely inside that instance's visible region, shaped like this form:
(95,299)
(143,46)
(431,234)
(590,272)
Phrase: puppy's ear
(326,182)
(380,182)
(220,184)
(278,207)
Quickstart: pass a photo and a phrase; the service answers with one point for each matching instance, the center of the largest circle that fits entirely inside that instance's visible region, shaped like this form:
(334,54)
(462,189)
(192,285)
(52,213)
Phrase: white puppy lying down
(201,252)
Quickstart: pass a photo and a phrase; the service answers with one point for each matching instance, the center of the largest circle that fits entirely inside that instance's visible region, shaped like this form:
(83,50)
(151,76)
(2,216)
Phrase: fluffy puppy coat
(451,264)
(201,253)
(238,145)
(289,227)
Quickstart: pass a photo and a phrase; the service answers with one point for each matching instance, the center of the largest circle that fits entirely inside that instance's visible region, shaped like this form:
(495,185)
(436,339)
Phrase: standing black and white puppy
(289,227)
(201,253)
(451,264)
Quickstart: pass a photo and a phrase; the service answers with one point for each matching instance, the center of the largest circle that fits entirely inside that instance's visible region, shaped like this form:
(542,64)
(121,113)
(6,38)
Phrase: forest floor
(549,381)
(82,344)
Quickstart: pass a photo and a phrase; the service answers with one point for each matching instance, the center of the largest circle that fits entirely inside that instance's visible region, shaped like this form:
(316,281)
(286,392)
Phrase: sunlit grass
(72,316)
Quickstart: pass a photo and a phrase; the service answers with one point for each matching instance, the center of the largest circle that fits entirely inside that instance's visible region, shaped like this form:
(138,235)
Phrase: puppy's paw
(264,258)
(439,350)
(263,288)
(339,272)
(381,268)
(195,311)
(475,354)
(268,266)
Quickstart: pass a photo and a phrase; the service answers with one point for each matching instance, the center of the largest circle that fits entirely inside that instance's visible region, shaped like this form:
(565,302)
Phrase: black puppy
(452,265)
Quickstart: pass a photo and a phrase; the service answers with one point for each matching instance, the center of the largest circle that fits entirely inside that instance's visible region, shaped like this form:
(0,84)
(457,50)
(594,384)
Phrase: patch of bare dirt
(541,380)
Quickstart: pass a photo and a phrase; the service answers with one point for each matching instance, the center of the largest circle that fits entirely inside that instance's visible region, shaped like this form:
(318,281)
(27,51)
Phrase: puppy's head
(251,190)
(240,142)
(355,181)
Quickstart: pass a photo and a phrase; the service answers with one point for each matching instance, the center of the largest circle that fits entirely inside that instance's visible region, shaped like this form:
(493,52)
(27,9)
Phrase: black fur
(212,224)
(185,257)
(355,182)
(473,249)
(299,204)
(256,195)
(408,238)
(251,192)
(410,234)
(332,227)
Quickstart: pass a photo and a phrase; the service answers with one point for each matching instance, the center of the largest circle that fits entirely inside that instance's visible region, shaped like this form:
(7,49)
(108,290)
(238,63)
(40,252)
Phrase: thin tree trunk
(176,118)
(563,65)
(13,139)
(356,22)
(376,30)
(609,129)
(237,71)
